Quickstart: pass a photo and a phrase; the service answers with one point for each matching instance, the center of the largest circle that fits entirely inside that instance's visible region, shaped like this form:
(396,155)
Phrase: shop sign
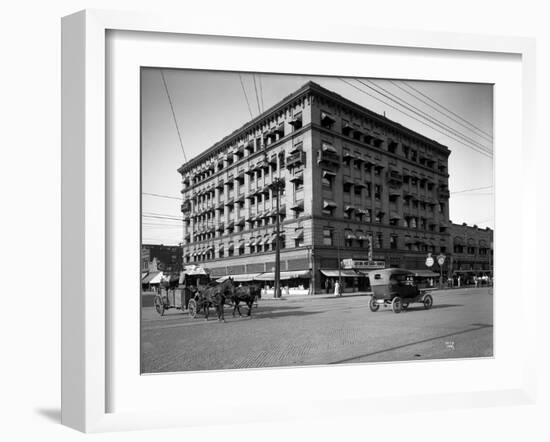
(362,264)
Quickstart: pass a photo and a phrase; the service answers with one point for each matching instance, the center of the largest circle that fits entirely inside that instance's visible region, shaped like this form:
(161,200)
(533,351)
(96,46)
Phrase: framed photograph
(320,221)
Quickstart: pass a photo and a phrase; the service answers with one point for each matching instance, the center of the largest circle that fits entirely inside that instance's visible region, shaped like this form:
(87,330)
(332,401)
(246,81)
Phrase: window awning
(348,180)
(297,177)
(231,246)
(363,211)
(329,204)
(343,273)
(259,241)
(349,208)
(327,117)
(299,205)
(361,235)
(394,215)
(350,235)
(298,234)
(348,154)
(328,148)
(328,173)
(283,275)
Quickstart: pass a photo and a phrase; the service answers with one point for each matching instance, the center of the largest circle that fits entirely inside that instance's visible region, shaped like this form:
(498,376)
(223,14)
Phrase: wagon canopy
(192,270)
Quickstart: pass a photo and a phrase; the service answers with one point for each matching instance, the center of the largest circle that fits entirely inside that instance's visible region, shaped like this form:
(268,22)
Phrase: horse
(248,294)
(215,295)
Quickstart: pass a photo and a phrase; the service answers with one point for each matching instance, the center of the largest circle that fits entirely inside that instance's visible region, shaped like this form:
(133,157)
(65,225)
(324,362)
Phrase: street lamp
(276,186)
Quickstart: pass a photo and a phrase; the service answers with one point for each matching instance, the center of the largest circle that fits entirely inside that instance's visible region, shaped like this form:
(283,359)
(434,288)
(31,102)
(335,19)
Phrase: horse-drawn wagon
(179,294)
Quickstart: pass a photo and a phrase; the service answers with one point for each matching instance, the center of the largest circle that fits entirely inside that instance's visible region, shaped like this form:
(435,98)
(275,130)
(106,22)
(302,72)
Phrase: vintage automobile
(396,288)
(179,295)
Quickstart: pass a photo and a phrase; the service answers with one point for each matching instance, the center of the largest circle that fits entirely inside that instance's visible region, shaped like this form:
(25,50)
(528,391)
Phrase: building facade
(168,259)
(357,186)
(472,250)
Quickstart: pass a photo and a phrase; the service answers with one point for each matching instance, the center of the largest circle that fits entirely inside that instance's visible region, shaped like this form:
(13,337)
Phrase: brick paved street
(319,330)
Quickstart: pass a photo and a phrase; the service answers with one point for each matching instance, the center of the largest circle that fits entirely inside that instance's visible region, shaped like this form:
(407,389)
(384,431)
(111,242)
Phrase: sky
(209,105)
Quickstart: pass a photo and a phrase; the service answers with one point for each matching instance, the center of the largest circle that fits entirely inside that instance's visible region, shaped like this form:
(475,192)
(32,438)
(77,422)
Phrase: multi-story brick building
(472,250)
(169,258)
(357,186)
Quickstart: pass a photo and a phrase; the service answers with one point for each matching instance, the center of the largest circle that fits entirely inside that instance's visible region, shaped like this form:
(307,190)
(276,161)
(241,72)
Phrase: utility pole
(276,186)
(339,263)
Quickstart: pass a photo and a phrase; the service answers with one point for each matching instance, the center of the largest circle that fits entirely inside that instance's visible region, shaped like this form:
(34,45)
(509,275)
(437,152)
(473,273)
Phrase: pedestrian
(337,289)
(327,285)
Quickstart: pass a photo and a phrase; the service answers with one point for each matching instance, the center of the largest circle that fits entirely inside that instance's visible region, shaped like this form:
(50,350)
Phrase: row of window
(359,134)
(483,251)
(252,146)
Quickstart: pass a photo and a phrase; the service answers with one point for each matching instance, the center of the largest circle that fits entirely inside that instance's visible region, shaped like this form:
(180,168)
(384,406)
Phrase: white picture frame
(87,319)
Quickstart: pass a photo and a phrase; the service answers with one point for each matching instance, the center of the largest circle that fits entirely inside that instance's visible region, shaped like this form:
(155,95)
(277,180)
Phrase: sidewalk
(317,296)
(353,294)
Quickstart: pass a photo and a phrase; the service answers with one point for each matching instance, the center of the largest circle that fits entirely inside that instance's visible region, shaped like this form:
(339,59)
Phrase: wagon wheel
(428,302)
(396,304)
(159,305)
(373,305)
(192,308)
(404,306)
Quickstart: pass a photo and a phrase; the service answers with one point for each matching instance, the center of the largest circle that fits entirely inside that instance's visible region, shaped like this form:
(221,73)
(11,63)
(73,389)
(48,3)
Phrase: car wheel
(159,305)
(374,306)
(428,302)
(396,304)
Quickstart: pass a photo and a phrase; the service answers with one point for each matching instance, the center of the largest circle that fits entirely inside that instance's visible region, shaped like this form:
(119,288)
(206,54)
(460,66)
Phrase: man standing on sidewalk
(337,289)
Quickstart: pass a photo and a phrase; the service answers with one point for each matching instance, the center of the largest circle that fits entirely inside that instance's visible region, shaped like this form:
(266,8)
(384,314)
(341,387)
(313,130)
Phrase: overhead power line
(173,113)
(245,96)
(161,217)
(261,91)
(472,189)
(455,120)
(256,90)
(448,110)
(482,152)
(387,94)
(159,195)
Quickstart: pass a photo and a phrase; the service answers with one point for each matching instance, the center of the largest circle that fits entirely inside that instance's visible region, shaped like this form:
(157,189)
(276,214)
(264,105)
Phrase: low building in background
(472,252)
(357,186)
(168,259)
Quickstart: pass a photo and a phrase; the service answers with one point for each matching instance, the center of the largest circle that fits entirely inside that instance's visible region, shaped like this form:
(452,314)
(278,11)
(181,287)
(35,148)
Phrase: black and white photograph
(293,220)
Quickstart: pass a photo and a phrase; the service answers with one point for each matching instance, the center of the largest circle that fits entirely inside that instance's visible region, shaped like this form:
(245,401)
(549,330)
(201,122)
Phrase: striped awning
(270,276)
(343,273)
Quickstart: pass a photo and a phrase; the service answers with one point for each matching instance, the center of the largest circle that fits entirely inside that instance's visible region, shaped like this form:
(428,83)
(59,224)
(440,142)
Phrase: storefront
(351,281)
